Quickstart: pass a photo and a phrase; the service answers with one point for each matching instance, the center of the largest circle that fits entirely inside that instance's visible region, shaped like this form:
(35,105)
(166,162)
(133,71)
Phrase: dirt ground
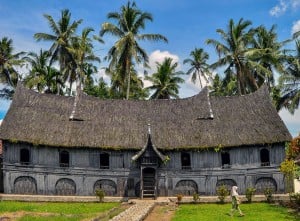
(163,212)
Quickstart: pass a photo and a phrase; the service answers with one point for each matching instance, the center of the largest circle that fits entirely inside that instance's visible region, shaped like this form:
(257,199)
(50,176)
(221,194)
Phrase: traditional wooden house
(141,148)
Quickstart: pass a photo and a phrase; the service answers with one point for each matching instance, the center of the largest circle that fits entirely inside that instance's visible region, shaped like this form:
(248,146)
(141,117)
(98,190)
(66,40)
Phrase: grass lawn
(35,211)
(219,212)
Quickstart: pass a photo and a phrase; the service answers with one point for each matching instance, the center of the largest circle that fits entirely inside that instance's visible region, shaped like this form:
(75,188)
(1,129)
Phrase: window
(264,157)
(225,157)
(185,161)
(24,156)
(64,159)
(104,161)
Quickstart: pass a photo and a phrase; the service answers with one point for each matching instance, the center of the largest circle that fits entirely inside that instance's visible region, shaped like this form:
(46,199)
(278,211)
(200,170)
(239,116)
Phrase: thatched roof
(200,121)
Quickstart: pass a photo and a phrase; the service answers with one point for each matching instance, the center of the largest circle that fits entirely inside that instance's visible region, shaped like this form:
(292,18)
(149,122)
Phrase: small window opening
(24,156)
(225,157)
(185,161)
(264,157)
(64,159)
(104,161)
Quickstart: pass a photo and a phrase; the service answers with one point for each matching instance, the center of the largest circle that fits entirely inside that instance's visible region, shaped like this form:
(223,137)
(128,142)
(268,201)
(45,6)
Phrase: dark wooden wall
(43,175)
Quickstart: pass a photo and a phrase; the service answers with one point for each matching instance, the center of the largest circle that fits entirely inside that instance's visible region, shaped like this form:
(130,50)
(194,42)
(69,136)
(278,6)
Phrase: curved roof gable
(195,122)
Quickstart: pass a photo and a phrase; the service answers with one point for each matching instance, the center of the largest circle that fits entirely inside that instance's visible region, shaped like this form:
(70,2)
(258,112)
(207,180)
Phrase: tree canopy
(247,57)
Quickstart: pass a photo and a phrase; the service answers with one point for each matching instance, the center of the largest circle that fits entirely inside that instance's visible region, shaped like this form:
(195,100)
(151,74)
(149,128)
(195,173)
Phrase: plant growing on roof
(218,148)
(167,159)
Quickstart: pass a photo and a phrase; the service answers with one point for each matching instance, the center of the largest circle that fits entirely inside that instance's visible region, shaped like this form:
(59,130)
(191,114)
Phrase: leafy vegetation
(288,166)
(55,211)
(179,197)
(250,191)
(100,194)
(268,192)
(219,212)
(222,193)
(127,27)
(165,81)
(196,197)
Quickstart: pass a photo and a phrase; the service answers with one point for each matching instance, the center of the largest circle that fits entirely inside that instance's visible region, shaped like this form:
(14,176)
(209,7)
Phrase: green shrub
(196,197)
(100,194)
(269,194)
(295,197)
(222,192)
(250,193)
(179,197)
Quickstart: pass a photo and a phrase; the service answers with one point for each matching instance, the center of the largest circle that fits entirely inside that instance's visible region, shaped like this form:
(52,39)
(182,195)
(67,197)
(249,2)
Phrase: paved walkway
(137,212)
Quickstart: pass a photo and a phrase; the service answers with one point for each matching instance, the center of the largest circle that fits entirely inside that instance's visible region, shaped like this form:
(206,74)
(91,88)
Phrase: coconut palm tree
(8,63)
(266,55)
(42,76)
(290,83)
(165,81)
(100,90)
(232,52)
(81,50)
(118,88)
(129,22)
(62,32)
(199,67)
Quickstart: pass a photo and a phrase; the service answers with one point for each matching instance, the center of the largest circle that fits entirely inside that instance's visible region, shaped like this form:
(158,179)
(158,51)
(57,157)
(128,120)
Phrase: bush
(269,194)
(295,197)
(222,192)
(196,197)
(100,194)
(250,193)
(179,197)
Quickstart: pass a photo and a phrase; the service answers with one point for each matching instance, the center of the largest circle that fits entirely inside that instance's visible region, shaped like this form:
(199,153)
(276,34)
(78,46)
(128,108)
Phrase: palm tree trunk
(128,78)
(199,76)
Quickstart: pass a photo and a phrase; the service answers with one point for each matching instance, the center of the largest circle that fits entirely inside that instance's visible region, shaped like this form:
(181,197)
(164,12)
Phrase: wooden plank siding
(84,170)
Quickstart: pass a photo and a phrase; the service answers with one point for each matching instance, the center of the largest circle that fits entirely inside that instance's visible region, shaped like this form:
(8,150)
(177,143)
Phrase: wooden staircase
(149,186)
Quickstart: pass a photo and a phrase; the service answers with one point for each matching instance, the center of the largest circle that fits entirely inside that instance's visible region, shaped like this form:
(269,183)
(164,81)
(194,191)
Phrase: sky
(186,24)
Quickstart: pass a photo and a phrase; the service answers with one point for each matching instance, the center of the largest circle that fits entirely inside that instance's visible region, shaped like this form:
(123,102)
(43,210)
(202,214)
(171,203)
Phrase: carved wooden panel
(109,187)
(65,187)
(186,187)
(25,185)
(264,183)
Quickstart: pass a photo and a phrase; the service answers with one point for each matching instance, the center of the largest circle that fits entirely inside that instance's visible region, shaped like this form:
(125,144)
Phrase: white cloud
(159,56)
(280,8)
(295,4)
(296,27)
(292,121)
(283,6)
